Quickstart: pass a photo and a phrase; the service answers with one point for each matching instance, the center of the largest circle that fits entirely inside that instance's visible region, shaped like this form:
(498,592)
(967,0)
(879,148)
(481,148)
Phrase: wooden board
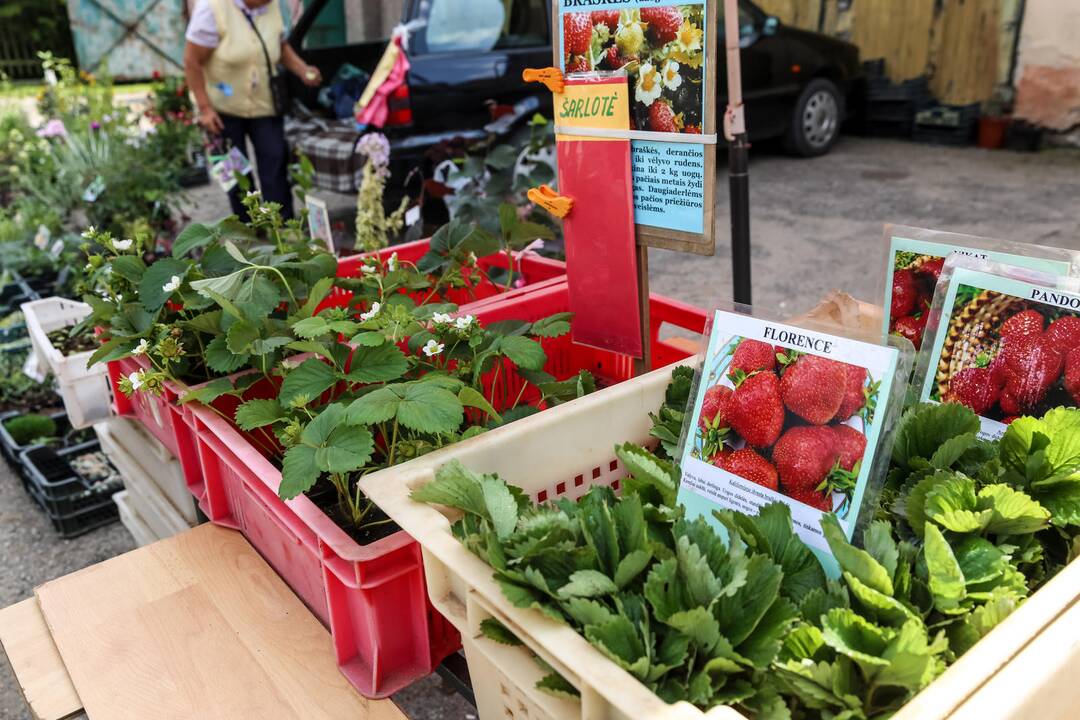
(196,626)
(36,664)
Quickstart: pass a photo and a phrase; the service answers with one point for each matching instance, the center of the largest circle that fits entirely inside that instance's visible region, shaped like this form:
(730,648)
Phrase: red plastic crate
(386,632)
(169,423)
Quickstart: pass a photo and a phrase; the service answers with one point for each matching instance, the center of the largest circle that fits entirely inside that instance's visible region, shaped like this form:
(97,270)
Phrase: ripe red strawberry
(813,388)
(1008,420)
(663,119)
(605,17)
(911,327)
(1032,365)
(998,376)
(854,397)
(692,129)
(577,33)
(804,457)
(752,355)
(905,293)
(813,498)
(1064,333)
(1009,404)
(1023,323)
(975,388)
(578,64)
(749,465)
(755,411)
(932,269)
(850,445)
(714,407)
(664,22)
(1072,374)
(719,458)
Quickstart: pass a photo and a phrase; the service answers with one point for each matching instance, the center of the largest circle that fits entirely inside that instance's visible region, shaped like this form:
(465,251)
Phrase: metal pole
(738,159)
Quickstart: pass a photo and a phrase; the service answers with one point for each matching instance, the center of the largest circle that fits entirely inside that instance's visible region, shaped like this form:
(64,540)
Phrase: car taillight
(399,107)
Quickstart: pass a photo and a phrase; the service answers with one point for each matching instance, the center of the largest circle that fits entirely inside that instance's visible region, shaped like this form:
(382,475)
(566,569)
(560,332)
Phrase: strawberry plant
(966,531)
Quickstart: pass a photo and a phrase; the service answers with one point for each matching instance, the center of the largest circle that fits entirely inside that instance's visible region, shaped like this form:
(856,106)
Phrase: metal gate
(130,39)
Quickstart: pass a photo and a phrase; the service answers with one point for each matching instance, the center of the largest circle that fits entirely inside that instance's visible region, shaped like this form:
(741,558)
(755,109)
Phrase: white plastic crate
(129,437)
(85,390)
(144,496)
(562,452)
(131,520)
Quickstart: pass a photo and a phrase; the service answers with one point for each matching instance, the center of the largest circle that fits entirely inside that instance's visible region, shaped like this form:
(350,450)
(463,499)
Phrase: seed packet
(795,414)
(223,168)
(914,257)
(319,221)
(1002,340)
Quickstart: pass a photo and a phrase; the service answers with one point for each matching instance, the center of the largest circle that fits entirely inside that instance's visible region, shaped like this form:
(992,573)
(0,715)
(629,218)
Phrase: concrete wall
(1048,65)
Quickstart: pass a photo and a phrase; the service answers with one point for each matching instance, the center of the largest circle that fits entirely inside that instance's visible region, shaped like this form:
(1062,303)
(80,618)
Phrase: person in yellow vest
(232,48)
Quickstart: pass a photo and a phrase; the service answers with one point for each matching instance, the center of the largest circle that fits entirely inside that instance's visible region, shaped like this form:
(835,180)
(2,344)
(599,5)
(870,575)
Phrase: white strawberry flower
(649,84)
(375,307)
(433,347)
(122,245)
(142,348)
(89,232)
(367,269)
(173,285)
(670,74)
(392,262)
(463,323)
(136,380)
(441,318)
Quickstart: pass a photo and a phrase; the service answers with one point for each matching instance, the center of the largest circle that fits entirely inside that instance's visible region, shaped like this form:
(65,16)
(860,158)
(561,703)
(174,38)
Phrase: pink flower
(53,128)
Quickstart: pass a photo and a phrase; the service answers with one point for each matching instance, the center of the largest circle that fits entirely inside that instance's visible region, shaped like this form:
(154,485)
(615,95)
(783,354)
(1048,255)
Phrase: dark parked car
(467,56)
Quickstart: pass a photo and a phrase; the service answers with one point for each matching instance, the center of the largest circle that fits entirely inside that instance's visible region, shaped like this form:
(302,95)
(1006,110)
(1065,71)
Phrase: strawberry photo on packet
(1003,346)
(786,414)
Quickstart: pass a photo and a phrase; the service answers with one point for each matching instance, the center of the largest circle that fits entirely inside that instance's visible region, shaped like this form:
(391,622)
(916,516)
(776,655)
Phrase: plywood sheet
(38,669)
(196,626)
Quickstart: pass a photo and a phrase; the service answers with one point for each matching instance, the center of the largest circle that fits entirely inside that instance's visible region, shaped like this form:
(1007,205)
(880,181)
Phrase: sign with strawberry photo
(786,414)
(665,50)
(1003,346)
(915,258)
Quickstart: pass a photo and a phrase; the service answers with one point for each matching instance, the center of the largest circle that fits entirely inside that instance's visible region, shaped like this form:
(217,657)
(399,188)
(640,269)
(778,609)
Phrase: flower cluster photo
(662,50)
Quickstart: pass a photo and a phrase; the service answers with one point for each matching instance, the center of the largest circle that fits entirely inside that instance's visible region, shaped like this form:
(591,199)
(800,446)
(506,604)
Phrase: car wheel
(815,124)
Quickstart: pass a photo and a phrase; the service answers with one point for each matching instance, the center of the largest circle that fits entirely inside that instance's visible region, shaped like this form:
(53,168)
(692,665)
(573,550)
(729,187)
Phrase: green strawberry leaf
(306,383)
(258,413)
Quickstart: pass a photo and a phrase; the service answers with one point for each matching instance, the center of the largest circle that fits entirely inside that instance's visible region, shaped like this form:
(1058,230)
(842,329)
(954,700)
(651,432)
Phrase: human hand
(210,120)
(311,76)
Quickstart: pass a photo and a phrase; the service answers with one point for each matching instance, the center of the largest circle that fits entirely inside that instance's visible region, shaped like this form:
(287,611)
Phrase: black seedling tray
(12,450)
(74,504)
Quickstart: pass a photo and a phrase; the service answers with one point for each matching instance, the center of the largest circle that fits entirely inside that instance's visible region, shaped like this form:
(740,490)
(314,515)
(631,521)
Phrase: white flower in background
(119,297)
(136,380)
(377,149)
(441,318)
(392,262)
(142,348)
(433,347)
(375,307)
(464,323)
(173,285)
(648,84)
(89,232)
(368,269)
(670,74)
(122,245)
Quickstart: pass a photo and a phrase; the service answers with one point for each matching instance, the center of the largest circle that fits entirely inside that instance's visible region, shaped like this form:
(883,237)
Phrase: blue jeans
(267,136)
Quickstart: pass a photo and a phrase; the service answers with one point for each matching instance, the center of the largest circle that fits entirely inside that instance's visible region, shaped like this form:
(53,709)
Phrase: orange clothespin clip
(558,205)
(550,76)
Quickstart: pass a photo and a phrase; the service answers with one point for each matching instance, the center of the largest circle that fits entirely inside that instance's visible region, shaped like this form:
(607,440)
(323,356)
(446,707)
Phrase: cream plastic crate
(135,525)
(143,495)
(128,436)
(562,452)
(85,390)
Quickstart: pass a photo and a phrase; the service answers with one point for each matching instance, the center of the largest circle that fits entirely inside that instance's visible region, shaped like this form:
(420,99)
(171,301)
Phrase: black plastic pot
(74,504)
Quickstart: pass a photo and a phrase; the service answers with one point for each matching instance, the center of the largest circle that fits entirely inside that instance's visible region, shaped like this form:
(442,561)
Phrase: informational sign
(601,256)
(790,415)
(319,221)
(1003,345)
(916,262)
(224,168)
(668,53)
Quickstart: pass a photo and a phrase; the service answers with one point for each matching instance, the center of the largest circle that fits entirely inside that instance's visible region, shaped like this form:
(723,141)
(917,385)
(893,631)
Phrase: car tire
(815,122)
